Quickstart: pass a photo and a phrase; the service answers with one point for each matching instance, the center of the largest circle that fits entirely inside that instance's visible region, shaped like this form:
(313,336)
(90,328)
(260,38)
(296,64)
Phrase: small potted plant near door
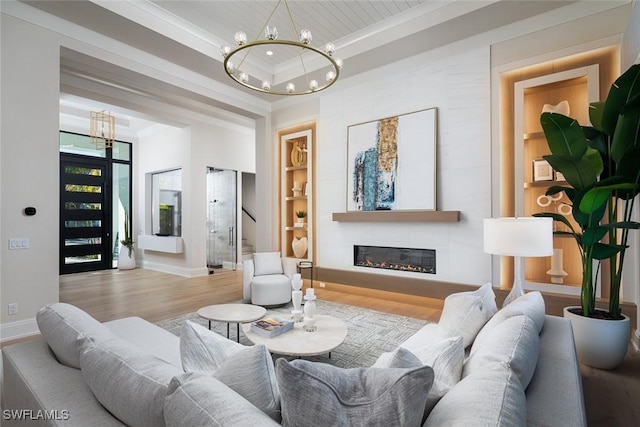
(127,254)
(601,164)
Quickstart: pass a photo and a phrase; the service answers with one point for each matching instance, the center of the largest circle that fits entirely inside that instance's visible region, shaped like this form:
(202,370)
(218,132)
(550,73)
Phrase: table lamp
(519,238)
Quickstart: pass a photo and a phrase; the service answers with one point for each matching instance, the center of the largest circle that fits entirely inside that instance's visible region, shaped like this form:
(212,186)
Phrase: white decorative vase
(296,297)
(126,262)
(299,246)
(310,311)
(600,343)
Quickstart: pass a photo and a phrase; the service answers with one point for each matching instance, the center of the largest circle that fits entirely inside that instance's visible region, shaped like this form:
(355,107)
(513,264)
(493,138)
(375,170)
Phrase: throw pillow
(128,382)
(202,350)
(249,371)
(514,343)
(530,304)
(486,398)
(445,358)
(465,313)
(398,358)
(198,400)
(267,263)
(318,394)
(61,326)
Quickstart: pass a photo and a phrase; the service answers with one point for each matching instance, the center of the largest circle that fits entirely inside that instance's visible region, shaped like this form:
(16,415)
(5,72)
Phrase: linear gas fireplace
(403,259)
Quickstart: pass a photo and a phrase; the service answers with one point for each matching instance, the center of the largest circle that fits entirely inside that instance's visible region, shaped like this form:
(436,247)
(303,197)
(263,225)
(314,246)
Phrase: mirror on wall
(166,202)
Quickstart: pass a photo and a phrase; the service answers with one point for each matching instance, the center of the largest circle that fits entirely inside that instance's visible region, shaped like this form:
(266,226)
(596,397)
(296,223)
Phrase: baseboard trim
(19,329)
(178,271)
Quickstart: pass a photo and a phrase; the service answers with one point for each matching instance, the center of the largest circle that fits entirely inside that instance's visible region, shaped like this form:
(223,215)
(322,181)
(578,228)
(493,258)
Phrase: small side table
(306,265)
(232,313)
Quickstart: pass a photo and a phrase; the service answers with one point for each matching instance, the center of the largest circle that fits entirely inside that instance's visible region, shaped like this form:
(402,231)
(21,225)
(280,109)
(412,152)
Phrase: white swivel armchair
(266,279)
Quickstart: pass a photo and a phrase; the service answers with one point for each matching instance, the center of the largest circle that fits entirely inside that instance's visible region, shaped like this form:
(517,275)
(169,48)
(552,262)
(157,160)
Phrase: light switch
(21,243)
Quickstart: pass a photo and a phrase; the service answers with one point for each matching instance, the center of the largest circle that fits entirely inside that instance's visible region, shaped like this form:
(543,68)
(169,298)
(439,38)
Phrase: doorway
(95,201)
(221,219)
(85,214)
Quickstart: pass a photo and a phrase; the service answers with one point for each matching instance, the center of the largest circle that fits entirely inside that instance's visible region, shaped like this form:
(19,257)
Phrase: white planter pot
(126,262)
(600,343)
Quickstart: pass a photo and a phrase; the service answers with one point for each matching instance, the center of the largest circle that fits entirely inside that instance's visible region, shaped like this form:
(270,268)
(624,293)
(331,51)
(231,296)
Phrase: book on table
(271,326)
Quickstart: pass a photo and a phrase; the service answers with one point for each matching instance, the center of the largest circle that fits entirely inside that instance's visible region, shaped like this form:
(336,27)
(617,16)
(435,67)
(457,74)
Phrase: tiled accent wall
(459,86)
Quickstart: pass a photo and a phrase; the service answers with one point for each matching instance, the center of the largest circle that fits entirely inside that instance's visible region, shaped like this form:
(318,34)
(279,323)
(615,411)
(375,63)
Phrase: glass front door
(221,219)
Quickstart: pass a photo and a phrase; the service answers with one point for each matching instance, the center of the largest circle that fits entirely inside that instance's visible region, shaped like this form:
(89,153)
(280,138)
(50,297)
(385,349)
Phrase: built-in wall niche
(166,203)
(163,215)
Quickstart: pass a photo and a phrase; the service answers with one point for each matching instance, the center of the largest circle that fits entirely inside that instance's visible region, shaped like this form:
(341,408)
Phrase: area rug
(369,333)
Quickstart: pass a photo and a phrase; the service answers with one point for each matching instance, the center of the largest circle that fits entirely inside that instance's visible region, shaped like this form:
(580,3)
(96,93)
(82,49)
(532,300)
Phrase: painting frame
(391,163)
(542,171)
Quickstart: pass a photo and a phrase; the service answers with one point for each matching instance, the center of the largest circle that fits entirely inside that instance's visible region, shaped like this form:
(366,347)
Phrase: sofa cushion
(249,371)
(319,394)
(514,343)
(485,398)
(267,263)
(445,358)
(61,324)
(530,304)
(198,400)
(128,382)
(465,313)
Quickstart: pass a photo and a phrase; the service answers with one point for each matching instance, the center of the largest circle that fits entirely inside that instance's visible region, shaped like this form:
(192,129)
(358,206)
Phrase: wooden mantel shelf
(397,216)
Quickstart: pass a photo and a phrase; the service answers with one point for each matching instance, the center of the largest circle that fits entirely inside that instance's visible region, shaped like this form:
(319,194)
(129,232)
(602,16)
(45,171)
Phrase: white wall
(165,149)
(29,172)
(193,149)
(458,85)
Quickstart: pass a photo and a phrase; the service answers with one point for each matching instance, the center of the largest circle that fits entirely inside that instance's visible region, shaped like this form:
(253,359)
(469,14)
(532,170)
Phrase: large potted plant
(601,164)
(126,255)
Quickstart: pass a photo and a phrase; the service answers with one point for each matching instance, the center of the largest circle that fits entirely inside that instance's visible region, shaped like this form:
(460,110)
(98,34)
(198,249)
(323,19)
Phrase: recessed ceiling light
(269,53)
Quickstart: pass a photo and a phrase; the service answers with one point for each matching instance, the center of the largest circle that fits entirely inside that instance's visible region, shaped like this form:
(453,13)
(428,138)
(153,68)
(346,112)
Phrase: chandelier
(102,131)
(235,58)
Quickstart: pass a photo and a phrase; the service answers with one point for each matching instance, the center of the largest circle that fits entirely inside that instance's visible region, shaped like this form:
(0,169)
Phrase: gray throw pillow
(248,371)
(198,400)
(318,394)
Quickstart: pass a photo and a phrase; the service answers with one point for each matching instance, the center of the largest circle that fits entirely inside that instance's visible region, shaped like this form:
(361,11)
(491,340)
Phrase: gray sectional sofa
(39,383)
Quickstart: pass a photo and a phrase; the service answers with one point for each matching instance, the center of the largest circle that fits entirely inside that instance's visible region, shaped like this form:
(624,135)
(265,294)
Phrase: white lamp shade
(524,237)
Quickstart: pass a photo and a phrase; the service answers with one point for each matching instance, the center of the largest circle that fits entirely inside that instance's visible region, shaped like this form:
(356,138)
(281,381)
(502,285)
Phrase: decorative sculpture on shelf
(299,246)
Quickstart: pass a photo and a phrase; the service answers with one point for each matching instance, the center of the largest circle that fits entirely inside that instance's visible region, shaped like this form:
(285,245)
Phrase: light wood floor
(612,397)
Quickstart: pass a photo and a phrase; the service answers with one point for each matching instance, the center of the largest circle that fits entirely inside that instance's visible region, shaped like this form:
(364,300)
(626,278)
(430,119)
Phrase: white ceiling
(367,34)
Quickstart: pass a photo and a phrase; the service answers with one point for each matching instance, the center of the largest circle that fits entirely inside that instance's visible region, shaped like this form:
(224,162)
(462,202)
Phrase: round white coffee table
(232,313)
(330,333)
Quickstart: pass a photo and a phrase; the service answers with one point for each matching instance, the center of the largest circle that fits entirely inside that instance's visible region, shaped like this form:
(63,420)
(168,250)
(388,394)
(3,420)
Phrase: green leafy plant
(301,214)
(127,241)
(601,163)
